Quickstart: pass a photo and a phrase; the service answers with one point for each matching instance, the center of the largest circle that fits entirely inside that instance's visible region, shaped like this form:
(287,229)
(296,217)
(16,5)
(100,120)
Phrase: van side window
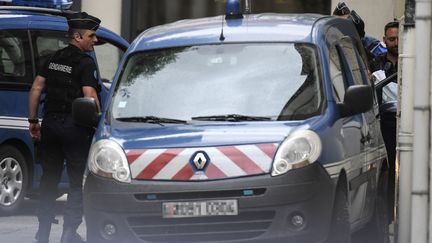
(352,57)
(108,58)
(15,63)
(336,75)
(46,43)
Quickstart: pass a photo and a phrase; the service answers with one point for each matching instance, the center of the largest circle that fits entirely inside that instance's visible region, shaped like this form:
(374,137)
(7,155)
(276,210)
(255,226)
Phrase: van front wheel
(13,179)
(340,226)
(378,228)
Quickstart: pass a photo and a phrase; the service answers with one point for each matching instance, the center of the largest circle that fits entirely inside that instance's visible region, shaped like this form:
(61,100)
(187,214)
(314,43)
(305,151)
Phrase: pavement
(22,227)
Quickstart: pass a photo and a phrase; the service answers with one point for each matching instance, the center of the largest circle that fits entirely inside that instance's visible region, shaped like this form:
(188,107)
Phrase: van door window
(108,58)
(353,61)
(15,62)
(336,74)
(46,43)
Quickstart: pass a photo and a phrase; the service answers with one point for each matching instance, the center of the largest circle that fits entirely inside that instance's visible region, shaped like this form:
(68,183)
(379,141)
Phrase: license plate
(199,208)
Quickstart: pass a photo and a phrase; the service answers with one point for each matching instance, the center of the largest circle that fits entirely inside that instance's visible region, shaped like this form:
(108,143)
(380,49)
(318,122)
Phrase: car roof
(22,17)
(14,12)
(271,27)
(14,16)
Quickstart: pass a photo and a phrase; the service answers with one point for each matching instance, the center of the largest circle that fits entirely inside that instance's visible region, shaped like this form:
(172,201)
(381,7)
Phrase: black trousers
(62,140)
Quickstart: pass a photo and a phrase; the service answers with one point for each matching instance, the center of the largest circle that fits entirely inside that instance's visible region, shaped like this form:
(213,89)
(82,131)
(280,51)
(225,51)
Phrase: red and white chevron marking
(225,162)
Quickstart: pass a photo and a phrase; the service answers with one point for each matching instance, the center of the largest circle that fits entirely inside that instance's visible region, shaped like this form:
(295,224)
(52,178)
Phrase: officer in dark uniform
(70,73)
(371,45)
(388,61)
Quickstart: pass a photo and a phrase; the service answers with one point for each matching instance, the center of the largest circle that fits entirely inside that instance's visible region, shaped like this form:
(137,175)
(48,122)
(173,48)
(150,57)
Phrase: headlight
(107,158)
(298,150)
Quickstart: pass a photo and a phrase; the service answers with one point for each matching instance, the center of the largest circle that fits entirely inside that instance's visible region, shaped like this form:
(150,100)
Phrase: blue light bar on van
(233,10)
(56,4)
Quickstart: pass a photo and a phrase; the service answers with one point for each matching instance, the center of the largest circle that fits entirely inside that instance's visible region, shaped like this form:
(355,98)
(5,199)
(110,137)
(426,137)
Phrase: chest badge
(199,161)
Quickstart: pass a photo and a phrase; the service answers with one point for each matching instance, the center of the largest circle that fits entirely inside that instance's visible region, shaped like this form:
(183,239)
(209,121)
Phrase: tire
(13,179)
(340,230)
(377,230)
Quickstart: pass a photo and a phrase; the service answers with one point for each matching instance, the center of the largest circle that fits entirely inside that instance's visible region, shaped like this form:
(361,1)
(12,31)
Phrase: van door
(16,74)
(352,129)
(362,185)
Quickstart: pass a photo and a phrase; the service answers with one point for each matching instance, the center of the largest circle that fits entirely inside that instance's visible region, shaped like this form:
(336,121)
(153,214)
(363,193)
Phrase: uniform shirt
(67,71)
(388,92)
(382,63)
(86,73)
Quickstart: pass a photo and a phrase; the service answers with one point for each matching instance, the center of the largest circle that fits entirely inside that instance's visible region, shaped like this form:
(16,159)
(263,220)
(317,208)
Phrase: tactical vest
(62,82)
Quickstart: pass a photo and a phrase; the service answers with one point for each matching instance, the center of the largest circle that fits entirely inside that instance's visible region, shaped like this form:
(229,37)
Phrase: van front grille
(217,228)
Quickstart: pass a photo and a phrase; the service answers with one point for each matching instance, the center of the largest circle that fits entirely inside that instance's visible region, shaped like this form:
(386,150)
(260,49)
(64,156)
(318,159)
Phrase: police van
(31,31)
(238,128)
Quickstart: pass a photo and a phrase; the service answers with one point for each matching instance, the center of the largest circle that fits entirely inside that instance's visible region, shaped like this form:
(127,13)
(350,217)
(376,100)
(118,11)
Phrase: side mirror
(357,99)
(84,112)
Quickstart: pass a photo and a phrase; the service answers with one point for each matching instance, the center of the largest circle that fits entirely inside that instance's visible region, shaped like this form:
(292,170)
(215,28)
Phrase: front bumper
(135,210)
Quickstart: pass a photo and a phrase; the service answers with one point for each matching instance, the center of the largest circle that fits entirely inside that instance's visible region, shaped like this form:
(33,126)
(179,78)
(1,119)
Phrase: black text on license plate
(199,208)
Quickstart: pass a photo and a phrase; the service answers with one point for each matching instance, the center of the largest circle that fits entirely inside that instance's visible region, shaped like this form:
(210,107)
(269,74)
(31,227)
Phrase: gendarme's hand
(34,129)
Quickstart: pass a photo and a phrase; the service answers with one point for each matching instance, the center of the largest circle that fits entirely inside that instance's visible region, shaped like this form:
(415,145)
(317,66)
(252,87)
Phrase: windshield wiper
(231,117)
(150,119)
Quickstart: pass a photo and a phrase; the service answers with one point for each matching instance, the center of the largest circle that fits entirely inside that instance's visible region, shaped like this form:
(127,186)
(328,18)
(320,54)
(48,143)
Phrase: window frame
(121,50)
(34,33)
(19,83)
(338,50)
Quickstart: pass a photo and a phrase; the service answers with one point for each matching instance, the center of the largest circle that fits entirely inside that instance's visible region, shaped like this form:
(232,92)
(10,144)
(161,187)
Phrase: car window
(336,75)
(15,62)
(108,57)
(352,57)
(274,80)
(46,43)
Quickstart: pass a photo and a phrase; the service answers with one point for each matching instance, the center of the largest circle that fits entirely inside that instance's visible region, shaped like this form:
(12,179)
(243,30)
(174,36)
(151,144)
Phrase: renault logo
(200,160)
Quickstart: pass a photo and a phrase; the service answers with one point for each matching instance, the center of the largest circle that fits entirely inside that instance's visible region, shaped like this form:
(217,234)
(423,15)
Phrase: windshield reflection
(279,81)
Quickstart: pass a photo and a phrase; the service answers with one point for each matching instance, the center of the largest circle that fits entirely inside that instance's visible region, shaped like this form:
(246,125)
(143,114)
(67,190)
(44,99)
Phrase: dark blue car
(238,128)
(28,36)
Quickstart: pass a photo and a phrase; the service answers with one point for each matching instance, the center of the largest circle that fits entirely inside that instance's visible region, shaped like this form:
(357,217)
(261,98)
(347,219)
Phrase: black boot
(70,235)
(42,235)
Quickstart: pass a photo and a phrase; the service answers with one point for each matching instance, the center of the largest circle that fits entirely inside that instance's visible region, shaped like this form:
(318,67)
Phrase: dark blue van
(238,128)
(28,36)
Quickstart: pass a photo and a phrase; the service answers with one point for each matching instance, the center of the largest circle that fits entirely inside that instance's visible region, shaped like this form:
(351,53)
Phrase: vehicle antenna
(248,7)
(222,37)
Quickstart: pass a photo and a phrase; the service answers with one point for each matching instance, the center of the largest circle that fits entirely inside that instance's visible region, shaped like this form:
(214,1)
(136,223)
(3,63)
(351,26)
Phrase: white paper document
(380,75)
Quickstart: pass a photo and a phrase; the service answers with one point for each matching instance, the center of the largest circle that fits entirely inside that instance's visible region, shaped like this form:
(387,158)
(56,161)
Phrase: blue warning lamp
(233,10)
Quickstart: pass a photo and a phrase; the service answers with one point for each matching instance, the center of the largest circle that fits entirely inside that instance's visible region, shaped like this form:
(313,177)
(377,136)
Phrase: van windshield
(250,82)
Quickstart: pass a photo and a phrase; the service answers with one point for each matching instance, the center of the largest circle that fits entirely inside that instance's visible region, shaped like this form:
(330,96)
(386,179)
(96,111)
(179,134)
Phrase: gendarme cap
(82,20)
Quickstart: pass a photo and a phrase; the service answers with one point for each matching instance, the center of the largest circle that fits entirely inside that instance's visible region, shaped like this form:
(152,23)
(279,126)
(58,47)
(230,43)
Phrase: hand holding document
(379,75)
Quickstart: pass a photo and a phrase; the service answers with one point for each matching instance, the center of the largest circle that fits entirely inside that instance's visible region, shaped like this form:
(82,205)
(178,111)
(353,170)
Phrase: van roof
(264,27)
(12,17)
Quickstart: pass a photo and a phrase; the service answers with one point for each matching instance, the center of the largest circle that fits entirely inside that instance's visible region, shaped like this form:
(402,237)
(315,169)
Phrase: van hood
(200,152)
